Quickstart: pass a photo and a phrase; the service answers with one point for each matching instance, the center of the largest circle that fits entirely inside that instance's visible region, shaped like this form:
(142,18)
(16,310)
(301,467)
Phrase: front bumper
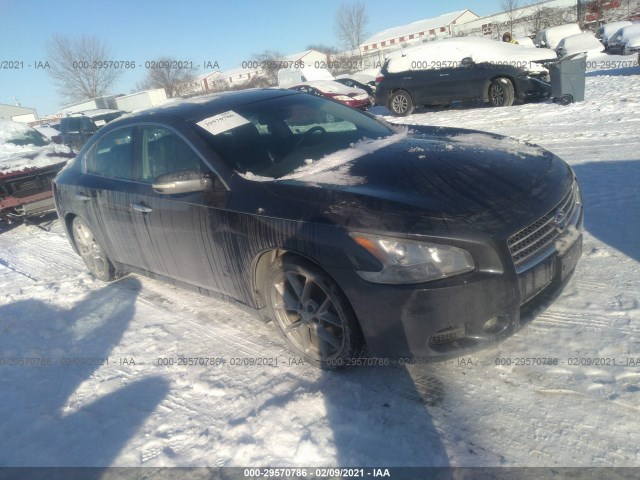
(531,89)
(450,317)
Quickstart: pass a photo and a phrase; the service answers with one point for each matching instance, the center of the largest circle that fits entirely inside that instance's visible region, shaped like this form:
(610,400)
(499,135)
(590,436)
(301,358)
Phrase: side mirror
(57,139)
(466,61)
(183,181)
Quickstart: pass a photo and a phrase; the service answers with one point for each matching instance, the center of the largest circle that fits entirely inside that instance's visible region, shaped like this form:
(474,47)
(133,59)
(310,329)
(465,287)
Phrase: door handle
(138,207)
(82,197)
(445,74)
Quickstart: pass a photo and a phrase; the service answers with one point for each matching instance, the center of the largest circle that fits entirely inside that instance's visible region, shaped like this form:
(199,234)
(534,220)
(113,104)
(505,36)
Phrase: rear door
(106,194)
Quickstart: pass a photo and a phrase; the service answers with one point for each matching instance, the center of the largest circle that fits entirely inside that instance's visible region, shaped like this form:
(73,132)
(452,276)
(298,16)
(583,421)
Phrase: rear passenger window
(165,152)
(113,155)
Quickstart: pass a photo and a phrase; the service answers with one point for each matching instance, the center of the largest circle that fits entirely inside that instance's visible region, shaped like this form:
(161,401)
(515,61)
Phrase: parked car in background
(462,70)
(608,29)
(28,163)
(102,116)
(370,89)
(582,42)
(421,242)
(77,128)
(625,41)
(349,96)
(550,37)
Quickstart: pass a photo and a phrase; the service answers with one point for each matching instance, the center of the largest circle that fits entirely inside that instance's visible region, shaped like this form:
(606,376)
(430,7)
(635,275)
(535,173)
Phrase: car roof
(197,108)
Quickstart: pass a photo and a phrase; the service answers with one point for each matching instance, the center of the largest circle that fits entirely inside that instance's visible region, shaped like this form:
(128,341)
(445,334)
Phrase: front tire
(401,104)
(501,92)
(91,251)
(311,312)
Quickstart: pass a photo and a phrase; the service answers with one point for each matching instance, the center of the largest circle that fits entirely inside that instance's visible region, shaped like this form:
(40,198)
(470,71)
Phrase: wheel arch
(396,90)
(489,81)
(263,261)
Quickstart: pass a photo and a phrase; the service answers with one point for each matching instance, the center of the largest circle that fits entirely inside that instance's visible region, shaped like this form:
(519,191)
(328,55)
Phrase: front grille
(24,187)
(535,239)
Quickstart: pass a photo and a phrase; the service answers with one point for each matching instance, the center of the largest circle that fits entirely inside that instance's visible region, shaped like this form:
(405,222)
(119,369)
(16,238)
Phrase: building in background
(141,100)
(17,113)
(422,30)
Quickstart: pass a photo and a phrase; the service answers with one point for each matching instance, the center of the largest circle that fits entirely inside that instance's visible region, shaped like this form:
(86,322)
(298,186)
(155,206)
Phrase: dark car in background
(344,232)
(28,163)
(463,69)
(77,128)
(498,85)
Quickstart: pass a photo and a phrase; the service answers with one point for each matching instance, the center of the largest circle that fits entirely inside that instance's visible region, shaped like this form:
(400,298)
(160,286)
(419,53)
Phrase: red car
(351,97)
(28,163)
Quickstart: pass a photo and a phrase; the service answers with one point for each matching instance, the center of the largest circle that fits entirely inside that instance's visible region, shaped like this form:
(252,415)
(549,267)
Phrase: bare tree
(351,21)
(269,61)
(510,7)
(170,74)
(82,68)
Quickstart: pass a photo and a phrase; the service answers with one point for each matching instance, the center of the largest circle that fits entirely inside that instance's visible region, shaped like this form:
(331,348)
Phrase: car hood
(14,158)
(435,172)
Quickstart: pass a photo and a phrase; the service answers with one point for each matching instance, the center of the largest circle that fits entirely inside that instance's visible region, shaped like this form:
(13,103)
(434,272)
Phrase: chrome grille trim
(536,242)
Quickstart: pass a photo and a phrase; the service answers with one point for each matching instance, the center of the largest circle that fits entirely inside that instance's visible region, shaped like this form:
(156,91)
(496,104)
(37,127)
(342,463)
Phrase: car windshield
(28,137)
(273,137)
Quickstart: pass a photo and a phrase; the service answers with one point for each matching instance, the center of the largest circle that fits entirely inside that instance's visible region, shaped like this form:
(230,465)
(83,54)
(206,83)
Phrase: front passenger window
(165,152)
(113,155)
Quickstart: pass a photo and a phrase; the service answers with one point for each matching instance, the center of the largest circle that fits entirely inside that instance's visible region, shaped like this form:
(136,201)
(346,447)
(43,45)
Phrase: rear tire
(311,312)
(401,104)
(501,92)
(91,251)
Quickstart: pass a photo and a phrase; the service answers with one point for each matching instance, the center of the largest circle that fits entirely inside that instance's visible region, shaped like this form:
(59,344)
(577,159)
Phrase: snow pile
(449,52)
(18,157)
(13,130)
(581,43)
(525,42)
(333,169)
(311,170)
(551,37)
(504,144)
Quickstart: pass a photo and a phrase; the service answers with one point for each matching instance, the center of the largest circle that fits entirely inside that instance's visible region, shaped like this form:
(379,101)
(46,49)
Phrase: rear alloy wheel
(501,93)
(92,253)
(401,104)
(312,313)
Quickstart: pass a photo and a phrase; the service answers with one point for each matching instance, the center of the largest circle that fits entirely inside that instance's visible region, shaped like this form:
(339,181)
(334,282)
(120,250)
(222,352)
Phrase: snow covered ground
(70,407)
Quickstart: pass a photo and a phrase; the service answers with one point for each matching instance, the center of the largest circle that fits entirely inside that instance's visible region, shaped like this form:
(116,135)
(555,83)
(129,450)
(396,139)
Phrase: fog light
(490,324)
(447,335)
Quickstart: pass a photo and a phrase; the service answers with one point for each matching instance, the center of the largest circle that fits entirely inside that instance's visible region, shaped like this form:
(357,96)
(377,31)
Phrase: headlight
(409,261)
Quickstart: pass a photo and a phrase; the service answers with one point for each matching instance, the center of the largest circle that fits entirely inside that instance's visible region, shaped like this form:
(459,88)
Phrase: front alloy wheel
(400,103)
(92,253)
(312,313)
(501,93)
